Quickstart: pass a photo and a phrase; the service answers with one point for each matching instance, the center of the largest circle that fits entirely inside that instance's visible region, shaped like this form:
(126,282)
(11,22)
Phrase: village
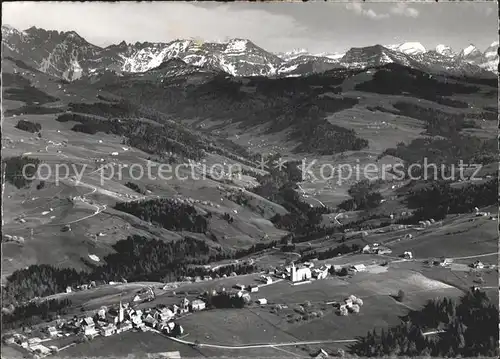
(160,318)
(142,313)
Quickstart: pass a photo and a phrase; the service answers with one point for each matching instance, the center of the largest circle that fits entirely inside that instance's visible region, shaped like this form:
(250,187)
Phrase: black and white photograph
(266,179)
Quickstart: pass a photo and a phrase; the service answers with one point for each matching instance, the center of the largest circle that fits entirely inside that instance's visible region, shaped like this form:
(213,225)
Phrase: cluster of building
(428,223)
(33,345)
(484,214)
(376,249)
(302,273)
(351,304)
(109,321)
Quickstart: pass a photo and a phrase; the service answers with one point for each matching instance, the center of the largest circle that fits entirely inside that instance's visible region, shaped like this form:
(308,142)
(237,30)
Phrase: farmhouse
(359,268)
(150,321)
(266,279)
(52,331)
(246,297)
(343,310)
(322,354)
(478,265)
(445,261)
(262,301)
(164,315)
(354,308)
(123,327)
(41,349)
(108,330)
(320,273)
(408,255)
(383,250)
(90,331)
(253,288)
(171,355)
(239,286)
(197,305)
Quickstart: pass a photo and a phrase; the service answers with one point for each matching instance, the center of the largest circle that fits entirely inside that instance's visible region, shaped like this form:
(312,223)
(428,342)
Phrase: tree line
(470,329)
(167,213)
(136,258)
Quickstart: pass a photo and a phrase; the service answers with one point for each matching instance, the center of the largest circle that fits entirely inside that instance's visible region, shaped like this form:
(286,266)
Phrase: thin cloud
(358,9)
(397,10)
(404,10)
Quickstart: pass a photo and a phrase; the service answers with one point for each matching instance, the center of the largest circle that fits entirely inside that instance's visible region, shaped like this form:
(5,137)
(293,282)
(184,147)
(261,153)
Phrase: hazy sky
(318,26)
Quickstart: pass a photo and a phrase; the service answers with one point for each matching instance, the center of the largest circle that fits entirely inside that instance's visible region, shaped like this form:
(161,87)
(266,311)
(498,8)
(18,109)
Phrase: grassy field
(128,344)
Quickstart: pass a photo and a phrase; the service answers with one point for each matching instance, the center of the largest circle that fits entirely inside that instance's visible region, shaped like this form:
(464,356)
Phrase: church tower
(121,311)
(294,273)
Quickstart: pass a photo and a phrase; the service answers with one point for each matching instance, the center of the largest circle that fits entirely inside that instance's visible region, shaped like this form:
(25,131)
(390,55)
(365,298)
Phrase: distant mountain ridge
(69,56)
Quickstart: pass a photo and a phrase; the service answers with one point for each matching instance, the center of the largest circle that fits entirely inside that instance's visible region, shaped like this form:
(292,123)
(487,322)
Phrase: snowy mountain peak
(469,50)
(411,48)
(67,55)
(237,45)
(444,50)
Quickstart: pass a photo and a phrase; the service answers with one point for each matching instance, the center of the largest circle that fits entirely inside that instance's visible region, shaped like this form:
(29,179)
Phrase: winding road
(273,345)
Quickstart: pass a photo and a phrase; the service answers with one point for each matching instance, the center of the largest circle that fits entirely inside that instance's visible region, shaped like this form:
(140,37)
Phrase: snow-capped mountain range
(69,56)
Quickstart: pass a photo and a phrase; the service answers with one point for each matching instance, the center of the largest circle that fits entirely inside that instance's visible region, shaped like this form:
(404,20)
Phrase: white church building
(300,274)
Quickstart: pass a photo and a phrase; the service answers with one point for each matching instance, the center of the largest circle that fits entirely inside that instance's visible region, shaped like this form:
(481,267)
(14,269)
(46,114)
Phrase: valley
(269,196)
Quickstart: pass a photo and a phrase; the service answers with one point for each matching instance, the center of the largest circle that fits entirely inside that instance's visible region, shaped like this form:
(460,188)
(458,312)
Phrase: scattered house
(198,304)
(52,331)
(164,315)
(383,250)
(266,279)
(253,288)
(366,249)
(239,286)
(359,268)
(170,355)
(136,319)
(101,313)
(343,310)
(33,341)
(337,268)
(322,354)
(108,330)
(246,297)
(68,289)
(88,322)
(354,308)
(262,301)
(168,327)
(445,261)
(348,302)
(185,303)
(123,327)
(112,317)
(137,298)
(478,265)
(39,348)
(10,340)
(407,255)
(90,331)
(150,321)
(320,273)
